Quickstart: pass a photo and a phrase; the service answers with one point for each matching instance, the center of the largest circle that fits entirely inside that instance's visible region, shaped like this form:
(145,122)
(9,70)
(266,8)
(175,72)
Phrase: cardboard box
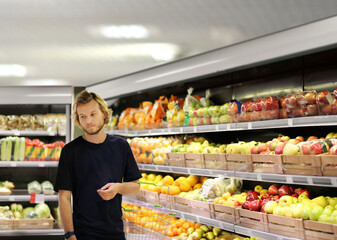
(302,165)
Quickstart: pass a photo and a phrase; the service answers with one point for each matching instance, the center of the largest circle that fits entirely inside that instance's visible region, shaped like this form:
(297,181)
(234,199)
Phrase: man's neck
(96,138)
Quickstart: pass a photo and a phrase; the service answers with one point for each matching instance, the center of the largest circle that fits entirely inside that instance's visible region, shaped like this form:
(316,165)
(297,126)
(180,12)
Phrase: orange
(184,186)
(170,233)
(168,180)
(174,190)
(186,225)
(197,225)
(197,186)
(192,180)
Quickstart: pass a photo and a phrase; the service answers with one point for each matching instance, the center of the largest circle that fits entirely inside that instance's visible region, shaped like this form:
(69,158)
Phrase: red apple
(312,110)
(273,189)
(246,205)
(306,148)
(254,150)
(262,147)
(326,110)
(334,107)
(279,148)
(294,195)
(333,150)
(285,138)
(264,196)
(283,190)
(294,141)
(298,191)
(320,97)
(252,196)
(255,205)
(311,138)
(310,98)
(300,138)
(316,148)
(275,198)
(291,190)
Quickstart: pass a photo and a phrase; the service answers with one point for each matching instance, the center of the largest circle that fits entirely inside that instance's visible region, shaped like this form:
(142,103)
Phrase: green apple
(323,218)
(269,207)
(286,211)
(332,201)
(303,196)
(276,210)
(306,212)
(321,201)
(332,219)
(295,200)
(334,213)
(285,200)
(305,201)
(315,213)
(297,210)
(328,210)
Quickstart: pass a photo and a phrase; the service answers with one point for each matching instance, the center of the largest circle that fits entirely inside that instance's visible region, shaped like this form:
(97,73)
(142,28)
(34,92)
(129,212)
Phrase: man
(96,169)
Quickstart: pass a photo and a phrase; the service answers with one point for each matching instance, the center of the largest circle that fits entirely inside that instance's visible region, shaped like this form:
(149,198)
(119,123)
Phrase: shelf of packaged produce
(24,196)
(211,222)
(253,176)
(30,133)
(29,163)
(277,123)
(33,232)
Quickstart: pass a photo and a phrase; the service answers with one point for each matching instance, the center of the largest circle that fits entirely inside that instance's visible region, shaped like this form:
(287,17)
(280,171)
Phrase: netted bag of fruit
(191,103)
(125,118)
(234,111)
(327,103)
(3,122)
(155,117)
(269,108)
(174,110)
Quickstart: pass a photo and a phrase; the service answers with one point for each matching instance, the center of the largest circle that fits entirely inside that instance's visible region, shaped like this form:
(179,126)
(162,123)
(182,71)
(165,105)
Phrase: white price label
(36,198)
(41,164)
(13,164)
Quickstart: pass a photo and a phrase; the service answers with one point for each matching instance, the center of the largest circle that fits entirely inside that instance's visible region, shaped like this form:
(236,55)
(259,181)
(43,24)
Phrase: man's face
(91,118)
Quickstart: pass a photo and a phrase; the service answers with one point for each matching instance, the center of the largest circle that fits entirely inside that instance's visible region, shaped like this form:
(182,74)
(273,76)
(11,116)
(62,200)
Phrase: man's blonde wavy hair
(85,97)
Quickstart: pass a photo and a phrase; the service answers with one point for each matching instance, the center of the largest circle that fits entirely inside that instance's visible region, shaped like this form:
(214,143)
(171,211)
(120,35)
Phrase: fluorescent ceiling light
(125,31)
(12,70)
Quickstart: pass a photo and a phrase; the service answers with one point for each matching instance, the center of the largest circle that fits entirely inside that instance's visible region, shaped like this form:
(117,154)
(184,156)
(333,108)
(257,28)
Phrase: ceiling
(59,42)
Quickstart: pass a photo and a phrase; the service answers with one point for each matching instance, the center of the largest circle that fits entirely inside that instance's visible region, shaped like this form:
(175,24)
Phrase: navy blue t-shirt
(84,168)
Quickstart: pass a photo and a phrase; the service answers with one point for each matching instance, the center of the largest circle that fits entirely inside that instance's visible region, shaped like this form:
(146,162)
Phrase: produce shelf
(316,121)
(24,196)
(37,232)
(30,133)
(29,163)
(213,222)
(265,177)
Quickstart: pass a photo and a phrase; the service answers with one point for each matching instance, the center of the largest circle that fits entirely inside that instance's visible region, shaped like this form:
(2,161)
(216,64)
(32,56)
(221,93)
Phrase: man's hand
(109,191)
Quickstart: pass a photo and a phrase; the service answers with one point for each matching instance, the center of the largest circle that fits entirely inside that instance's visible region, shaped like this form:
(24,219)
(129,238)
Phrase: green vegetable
(16,148)
(3,149)
(42,210)
(22,149)
(27,209)
(9,149)
(34,187)
(31,214)
(46,185)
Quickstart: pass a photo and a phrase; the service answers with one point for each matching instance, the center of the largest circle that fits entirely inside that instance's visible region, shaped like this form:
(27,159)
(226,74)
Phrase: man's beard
(93,133)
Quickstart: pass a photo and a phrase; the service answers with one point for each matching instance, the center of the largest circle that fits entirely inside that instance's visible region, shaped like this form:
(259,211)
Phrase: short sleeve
(131,172)
(65,173)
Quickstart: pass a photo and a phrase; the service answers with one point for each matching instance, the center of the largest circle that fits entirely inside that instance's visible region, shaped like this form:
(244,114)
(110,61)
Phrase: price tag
(36,198)
(13,164)
(11,198)
(41,164)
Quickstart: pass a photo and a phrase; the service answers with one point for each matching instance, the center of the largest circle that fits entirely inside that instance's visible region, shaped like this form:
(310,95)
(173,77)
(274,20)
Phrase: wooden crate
(140,195)
(194,160)
(287,226)
(239,162)
(302,165)
(318,231)
(151,197)
(251,219)
(175,159)
(267,163)
(6,224)
(224,213)
(182,204)
(166,200)
(215,161)
(33,223)
(203,209)
(329,165)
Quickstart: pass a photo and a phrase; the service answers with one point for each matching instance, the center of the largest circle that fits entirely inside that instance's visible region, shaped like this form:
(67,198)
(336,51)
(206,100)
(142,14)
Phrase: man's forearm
(128,188)
(66,213)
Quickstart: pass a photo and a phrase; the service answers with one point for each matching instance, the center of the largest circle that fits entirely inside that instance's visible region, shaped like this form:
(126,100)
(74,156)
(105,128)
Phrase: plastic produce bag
(34,187)
(47,187)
